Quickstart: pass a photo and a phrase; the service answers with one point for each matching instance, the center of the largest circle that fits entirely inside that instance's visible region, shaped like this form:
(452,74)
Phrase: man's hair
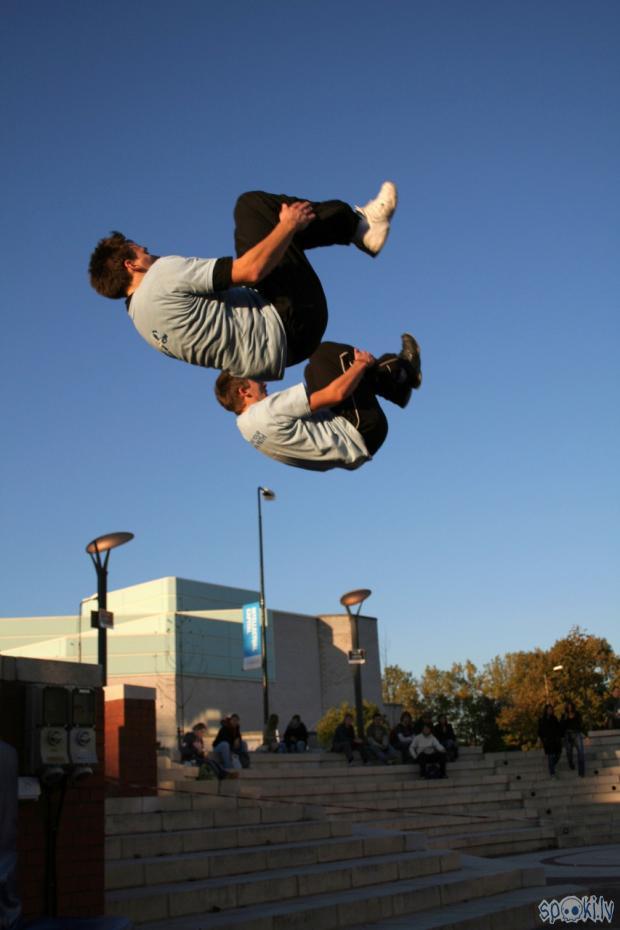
(227,389)
(106,269)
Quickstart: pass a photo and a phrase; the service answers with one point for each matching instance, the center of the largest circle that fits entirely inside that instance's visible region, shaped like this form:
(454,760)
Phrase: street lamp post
(349,600)
(266,494)
(556,668)
(101,546)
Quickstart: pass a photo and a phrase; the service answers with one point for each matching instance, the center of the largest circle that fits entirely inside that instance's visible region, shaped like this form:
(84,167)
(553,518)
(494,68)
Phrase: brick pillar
(130,741)
(80,840)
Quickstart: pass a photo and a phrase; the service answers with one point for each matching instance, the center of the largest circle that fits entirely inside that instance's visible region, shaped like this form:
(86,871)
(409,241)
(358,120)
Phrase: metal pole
(263,614)
(357,675)
(102,604)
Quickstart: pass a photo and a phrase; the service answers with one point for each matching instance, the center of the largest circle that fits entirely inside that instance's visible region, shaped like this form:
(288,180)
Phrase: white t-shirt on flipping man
(178,312)
(283,427)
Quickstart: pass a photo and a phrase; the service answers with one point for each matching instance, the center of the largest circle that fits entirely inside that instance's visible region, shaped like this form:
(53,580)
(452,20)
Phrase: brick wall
(130,741)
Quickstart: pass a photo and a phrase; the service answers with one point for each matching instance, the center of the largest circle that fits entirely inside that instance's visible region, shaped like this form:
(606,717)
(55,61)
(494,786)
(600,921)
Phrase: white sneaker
(374,225)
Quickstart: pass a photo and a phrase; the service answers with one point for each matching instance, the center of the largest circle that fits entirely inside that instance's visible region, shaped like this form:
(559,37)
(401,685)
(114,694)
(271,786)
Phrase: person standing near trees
(573,733)
(550,734)
(613,710)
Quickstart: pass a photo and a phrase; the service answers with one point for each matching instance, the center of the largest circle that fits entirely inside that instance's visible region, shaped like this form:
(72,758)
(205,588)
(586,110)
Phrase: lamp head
(267,494)
(558,668)
(351,598)
(107,542)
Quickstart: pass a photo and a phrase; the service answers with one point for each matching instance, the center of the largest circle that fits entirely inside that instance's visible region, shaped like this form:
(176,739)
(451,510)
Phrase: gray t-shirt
(283,427)
(178,312)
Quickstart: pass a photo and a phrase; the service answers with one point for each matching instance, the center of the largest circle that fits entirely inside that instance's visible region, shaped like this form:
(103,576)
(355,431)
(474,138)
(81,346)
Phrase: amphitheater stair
(209,861)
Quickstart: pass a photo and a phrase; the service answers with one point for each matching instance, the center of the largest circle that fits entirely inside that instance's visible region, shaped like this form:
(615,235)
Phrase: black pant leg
(346,748)
(294,287)
(257,212)
(327,363)
(390,380)
(362,408)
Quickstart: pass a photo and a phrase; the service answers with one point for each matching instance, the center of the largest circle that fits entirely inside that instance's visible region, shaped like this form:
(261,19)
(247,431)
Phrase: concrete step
(570,813)
(588,838)
(392,778)
(369,875)
(175,842)
(362,775)
(329,911)
(558,799)
(181,801)
(381,809)
(217,863)
(201,816)
(505,842)
(609,775)
(514,910)
(390,800)
(416,792)
(470,826)
(595,814)
(446,824)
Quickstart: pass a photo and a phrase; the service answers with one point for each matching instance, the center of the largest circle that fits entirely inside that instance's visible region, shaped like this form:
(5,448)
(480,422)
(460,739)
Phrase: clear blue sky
(489,521)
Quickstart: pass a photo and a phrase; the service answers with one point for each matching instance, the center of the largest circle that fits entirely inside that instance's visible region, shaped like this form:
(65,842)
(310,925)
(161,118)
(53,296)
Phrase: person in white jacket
(425,749)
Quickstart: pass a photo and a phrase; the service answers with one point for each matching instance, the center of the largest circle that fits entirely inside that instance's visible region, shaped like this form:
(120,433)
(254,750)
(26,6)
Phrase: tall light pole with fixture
(349,600)
(102,546)
(268,495)
(556,668)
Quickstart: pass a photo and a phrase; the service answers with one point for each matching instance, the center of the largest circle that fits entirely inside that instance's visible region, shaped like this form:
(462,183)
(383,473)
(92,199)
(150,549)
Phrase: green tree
(517,683)
(589,671)
(500,706)
(399,687)
(326,726)
(459,693)
(523,682)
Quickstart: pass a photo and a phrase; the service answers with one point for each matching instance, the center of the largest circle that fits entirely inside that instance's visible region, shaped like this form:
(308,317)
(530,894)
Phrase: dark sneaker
(410,353)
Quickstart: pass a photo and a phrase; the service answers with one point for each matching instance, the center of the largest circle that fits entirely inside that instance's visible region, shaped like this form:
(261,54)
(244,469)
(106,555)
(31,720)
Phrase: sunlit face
(254,391)
(142,261)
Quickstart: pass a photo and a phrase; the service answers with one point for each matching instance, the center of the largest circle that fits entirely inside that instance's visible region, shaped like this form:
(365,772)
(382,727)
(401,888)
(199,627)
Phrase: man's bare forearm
(262,258)
(341,387)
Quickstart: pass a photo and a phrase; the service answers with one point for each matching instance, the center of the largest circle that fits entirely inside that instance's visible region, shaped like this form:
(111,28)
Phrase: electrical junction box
(82,738)
(47,721)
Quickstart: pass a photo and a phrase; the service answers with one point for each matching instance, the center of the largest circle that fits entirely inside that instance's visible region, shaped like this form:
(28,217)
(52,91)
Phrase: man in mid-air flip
(333,420)
(253,315)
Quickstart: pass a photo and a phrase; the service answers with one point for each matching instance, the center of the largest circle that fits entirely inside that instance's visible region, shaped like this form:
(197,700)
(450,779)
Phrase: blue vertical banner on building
(252,651)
